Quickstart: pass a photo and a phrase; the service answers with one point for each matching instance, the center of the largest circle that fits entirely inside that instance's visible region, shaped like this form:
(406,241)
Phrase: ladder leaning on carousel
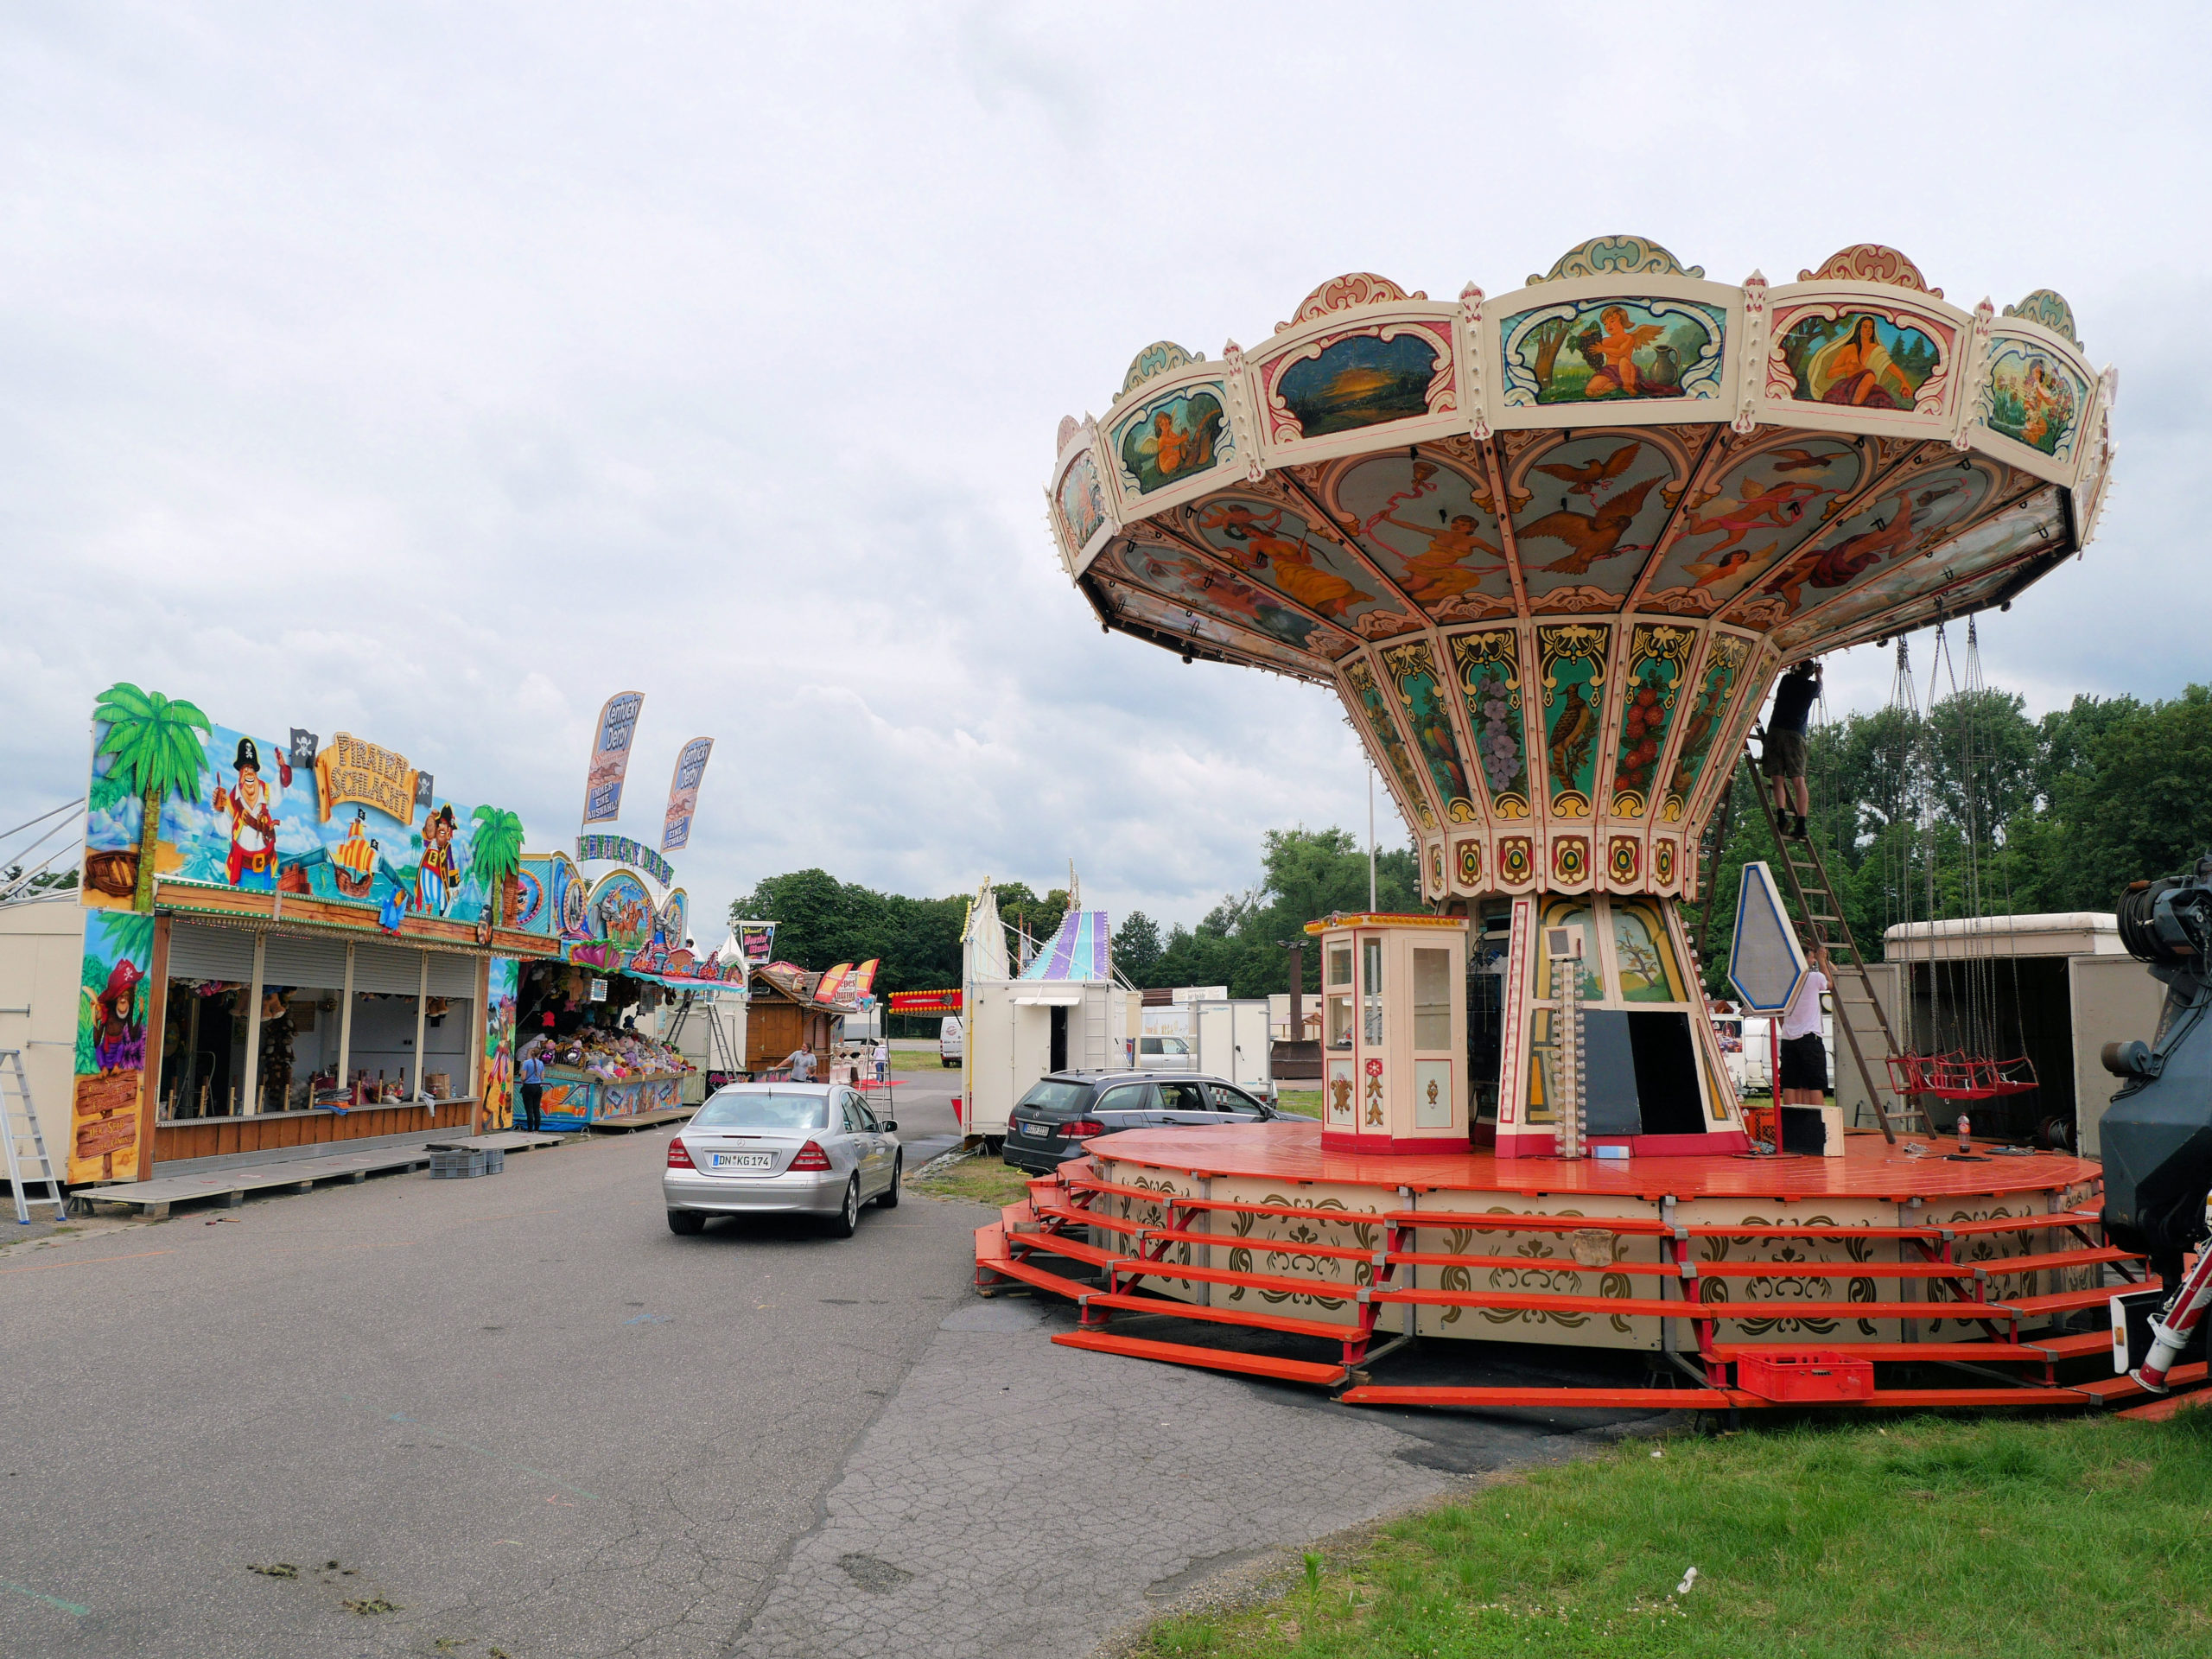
(1823,928)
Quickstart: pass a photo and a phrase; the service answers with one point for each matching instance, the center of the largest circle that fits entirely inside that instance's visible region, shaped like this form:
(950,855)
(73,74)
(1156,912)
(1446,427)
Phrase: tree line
(1304,874)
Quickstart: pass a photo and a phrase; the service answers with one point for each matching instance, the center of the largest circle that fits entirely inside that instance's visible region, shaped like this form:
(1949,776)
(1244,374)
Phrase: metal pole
(422,1009)
(345,1030)
(1371,837)
(250,1102)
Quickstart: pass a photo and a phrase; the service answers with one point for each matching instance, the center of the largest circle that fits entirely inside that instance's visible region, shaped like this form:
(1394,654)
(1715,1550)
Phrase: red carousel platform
(1753,1281)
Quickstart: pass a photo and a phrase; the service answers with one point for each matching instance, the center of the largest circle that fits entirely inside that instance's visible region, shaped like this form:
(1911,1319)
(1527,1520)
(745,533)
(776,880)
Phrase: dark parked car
(1053,1119)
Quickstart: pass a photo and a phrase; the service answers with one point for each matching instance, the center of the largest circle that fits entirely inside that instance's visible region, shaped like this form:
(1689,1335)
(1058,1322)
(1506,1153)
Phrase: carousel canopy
(1552,548)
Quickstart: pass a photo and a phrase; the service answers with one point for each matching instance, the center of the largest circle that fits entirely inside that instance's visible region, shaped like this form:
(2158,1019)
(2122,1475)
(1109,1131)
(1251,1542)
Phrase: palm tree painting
(495,858)
(154,754)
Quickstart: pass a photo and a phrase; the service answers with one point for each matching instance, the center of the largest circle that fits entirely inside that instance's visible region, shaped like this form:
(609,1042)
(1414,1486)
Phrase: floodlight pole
(1297,949)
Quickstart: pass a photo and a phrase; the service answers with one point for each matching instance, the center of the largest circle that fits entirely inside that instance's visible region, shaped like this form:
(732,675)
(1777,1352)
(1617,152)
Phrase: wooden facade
(777,1023)
(213,1137)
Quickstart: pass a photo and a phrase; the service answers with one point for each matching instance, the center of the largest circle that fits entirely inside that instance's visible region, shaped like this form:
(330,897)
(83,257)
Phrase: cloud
(431,375)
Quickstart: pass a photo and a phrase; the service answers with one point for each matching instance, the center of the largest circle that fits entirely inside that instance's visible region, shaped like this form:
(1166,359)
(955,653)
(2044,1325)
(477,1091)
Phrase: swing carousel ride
(1551,550)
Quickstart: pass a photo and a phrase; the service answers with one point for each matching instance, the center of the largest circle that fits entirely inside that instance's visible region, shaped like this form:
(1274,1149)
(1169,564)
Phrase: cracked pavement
(516,1416)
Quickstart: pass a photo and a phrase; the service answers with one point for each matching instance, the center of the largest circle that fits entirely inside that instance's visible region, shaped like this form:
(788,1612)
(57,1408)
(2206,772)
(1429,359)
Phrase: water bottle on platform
(1966,1128)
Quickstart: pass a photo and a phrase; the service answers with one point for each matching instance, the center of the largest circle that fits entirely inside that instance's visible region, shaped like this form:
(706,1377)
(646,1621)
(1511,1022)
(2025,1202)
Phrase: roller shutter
(316,964)
(388,968)
(200,952)
(453,976)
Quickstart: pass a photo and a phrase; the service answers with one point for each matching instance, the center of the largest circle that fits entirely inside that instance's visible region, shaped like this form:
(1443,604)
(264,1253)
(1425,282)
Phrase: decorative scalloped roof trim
(1617,256)
(1354,288)
(1158,358)
(1869,262)
(2050,309)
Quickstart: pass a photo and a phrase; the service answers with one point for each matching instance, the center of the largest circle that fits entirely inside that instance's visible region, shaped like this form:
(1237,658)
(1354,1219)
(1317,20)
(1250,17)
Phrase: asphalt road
(518,1410)
(515,1416)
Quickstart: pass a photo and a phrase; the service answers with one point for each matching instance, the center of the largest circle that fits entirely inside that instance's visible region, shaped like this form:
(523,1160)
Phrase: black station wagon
(1053,1119)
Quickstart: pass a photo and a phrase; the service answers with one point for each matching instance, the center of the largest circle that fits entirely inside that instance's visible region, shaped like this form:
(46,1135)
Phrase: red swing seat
(1958,1075)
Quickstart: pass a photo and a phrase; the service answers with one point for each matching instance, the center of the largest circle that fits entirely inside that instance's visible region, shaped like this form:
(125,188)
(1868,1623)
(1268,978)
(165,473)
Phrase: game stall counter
(624,1077)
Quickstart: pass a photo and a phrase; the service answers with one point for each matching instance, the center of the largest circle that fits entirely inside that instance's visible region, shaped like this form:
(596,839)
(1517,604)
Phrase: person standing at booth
(1804,1078)
(532,1080)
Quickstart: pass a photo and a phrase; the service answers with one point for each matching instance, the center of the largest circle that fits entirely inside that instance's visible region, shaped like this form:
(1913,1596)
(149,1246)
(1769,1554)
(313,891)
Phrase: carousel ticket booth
(1394,1031)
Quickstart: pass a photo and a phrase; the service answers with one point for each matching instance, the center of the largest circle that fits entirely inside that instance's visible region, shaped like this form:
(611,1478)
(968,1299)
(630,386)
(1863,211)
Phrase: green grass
(1307,1102)
(981,1179)
(1952,1539)
(925,1060)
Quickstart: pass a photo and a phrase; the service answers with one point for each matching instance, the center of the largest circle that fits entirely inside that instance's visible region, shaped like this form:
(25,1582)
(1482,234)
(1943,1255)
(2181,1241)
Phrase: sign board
(1765,963)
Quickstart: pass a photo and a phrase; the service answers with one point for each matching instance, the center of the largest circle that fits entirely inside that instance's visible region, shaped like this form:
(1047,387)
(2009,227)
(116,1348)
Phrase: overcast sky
(432,371)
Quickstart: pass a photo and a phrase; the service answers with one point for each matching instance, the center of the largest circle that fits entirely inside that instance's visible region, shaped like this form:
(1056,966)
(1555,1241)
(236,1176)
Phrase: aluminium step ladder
(1859,1013)
(34,1168)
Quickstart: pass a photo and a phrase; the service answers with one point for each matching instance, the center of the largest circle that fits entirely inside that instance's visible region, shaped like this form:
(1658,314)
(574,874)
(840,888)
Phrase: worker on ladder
(1781,754)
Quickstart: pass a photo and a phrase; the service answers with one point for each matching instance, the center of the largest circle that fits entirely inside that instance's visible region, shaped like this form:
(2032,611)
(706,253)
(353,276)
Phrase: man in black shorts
(1782,756)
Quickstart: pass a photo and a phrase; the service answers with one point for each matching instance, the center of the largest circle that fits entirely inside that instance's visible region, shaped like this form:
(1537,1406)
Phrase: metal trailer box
(1229,1039)
(1012,1028)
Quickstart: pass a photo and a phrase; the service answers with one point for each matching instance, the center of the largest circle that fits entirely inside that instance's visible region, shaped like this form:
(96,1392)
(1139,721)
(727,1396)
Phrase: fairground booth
(617,976)
(1552,548)
(287,939)
(791,1008)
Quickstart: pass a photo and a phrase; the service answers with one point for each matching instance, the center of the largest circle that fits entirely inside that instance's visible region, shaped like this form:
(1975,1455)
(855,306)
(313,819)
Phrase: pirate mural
(253,864)
(437,878)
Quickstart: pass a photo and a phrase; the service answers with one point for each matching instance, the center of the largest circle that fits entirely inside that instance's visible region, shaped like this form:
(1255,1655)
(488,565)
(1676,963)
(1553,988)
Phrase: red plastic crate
(1822,1375)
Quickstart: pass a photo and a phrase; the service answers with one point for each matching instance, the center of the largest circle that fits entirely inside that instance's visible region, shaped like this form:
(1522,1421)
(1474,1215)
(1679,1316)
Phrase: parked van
(951,1041)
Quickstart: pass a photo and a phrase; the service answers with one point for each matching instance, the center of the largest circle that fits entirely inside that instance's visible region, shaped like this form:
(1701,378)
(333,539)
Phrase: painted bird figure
(1596,536)
(1571,737)
(1583,478)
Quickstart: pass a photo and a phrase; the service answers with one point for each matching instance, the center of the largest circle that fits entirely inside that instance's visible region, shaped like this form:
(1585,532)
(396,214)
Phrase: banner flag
(864,981)
(610,756)
(683,793)
(835,985)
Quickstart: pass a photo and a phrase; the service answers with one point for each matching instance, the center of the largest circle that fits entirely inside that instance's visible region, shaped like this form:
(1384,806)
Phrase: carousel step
(1570,1399)
(1121,1302)
(1214,1359)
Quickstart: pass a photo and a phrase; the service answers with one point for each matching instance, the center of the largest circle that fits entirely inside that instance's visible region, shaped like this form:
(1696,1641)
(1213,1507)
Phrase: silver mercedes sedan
(782,1148)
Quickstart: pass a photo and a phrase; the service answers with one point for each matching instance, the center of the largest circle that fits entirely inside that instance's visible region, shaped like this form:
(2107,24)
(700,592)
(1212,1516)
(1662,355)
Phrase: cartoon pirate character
(437,878)
(118,1036)
(253,828)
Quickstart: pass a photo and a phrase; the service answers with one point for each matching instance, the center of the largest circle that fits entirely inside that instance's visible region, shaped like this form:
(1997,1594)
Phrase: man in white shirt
(883,1059)
(1804,1057)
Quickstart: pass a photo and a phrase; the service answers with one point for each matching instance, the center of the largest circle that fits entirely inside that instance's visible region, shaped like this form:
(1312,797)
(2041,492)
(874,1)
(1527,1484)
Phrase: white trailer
(1065,1013)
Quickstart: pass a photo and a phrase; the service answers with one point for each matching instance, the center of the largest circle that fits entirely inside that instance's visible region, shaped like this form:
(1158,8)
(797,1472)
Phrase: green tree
(1137,947)
(153,754)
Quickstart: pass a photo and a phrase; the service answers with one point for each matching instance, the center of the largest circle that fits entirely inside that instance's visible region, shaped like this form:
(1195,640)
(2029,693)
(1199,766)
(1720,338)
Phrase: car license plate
(740,1161)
